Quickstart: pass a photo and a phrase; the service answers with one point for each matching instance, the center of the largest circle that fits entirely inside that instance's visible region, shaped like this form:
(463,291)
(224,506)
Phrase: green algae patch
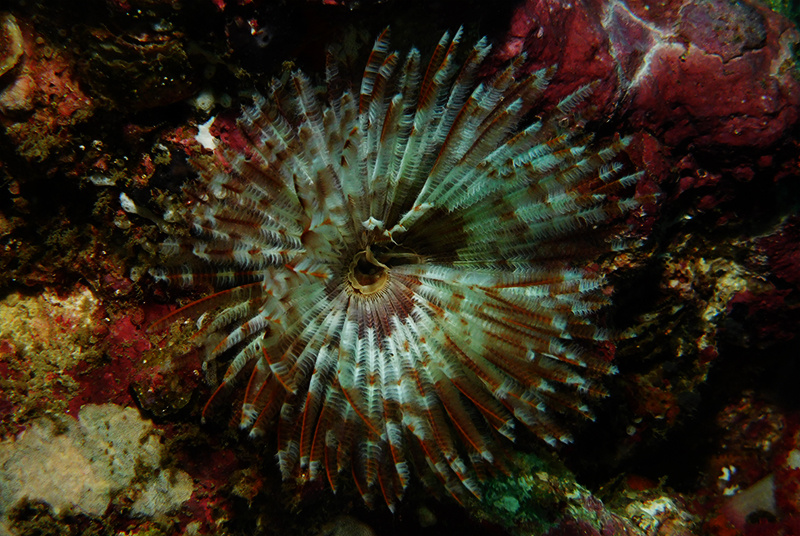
(528,498)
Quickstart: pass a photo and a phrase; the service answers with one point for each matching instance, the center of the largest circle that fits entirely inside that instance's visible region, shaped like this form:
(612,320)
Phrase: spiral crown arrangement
(399,269)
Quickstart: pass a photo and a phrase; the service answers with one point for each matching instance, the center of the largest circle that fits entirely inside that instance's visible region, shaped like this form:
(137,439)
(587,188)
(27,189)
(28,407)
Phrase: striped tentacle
(424,143)
(481,124)
(263,398)
(424,417)
(326,361)
(383,116)
(518,324)
(240,293)
(300,346)
(402,167)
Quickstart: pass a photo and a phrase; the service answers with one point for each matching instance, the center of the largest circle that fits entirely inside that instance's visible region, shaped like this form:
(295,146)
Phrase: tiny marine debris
(399,269)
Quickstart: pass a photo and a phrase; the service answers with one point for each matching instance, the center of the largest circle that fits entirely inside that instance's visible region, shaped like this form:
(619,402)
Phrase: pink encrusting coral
(711,73)
(399,269)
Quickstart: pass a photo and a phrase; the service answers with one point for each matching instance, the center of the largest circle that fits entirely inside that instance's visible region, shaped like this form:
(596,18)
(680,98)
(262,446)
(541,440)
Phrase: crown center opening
(367,274)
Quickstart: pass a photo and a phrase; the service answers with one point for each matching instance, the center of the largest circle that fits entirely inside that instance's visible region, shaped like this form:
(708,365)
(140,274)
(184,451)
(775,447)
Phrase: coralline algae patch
(64,448)
(57,326)
(43,101)
(80,466)
(62,349)
(714,72)
(41,337)
(712,76)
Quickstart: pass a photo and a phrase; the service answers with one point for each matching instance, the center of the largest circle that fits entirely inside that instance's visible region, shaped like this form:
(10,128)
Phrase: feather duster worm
(397,267)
